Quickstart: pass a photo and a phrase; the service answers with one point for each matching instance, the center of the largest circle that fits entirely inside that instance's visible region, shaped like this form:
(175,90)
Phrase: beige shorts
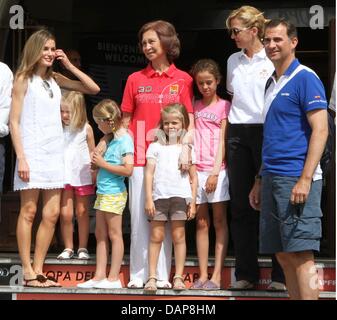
(173,209)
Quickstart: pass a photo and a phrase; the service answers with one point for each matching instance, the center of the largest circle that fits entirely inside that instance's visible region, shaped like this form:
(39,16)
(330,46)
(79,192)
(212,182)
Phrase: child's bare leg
(82,214)
(102,248)
(221,240)
(114,223)
(156,239)
(179,243)
(202,235)
(67,212)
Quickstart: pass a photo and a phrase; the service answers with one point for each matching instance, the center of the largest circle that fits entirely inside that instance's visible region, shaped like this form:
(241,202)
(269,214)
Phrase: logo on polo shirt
(147,89)
(264,74)
(317,97)
(174,89)
(285,94)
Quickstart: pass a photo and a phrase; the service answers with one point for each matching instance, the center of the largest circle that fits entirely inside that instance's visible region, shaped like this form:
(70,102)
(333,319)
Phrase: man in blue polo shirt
(295,133)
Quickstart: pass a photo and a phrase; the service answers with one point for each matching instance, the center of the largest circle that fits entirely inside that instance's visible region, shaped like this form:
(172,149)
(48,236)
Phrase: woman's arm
(18,95)
(149,174)
(85,84)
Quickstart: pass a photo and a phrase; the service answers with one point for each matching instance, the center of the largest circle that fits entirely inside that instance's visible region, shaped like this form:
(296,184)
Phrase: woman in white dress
(36,130)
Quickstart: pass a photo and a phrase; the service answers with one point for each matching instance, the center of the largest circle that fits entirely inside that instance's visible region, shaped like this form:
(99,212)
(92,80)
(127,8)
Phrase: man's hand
(300,191)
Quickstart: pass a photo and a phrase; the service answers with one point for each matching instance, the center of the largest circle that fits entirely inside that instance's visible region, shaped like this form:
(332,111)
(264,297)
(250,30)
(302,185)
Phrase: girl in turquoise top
(111,195)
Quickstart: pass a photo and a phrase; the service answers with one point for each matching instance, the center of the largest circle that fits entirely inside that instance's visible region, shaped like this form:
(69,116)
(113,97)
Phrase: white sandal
(136,284)
(66,254)
(83,254)
(164,284)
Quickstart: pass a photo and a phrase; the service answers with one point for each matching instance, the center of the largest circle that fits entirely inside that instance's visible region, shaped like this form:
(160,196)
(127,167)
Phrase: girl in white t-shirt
(210,115)
(170,196)
(79,143)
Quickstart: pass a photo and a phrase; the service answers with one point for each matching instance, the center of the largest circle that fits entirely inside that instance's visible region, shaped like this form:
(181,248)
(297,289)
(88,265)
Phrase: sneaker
(277,286)
(66,254)
(107,284)
(83,254)
(89,284)
(242,285)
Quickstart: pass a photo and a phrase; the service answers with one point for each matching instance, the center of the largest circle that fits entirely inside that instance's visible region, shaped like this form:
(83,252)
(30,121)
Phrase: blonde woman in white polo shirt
(247,73)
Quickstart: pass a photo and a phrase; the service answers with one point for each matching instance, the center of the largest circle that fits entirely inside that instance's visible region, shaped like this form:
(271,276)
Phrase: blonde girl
(36,130)
(111,195)
(79,144)
(169,194)
(210,113)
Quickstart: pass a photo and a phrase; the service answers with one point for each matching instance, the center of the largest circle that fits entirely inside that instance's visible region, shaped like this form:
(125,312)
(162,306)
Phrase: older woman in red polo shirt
(146,93)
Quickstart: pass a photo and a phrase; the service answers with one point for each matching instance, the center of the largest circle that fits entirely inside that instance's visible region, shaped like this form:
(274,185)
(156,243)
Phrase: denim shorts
(285,227)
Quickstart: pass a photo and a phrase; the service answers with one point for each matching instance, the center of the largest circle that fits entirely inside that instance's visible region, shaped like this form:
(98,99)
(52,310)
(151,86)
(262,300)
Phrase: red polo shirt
(146,93)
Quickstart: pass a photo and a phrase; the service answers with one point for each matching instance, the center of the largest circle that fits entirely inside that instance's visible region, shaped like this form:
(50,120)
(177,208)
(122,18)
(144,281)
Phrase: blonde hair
(108,110)
(32,53)
(250,17)
(181,112)
(78,113)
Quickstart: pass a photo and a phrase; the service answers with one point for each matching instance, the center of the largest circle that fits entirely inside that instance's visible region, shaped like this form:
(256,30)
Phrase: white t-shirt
(246,81)
(6,83)
(168,181)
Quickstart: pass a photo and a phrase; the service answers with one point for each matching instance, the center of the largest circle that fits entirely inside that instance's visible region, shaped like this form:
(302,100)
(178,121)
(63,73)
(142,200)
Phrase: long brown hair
(32,53)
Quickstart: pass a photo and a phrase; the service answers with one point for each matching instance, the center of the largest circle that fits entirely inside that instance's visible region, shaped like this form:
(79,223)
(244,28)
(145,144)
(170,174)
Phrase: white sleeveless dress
(77,160)
(42,137)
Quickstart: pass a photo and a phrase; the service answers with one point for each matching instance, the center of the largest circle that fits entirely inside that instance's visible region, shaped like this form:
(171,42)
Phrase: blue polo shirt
(286,128)
(107,182)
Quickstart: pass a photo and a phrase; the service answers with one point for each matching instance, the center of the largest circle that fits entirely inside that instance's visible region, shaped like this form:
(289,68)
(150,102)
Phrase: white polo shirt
(6,83)
(246,81)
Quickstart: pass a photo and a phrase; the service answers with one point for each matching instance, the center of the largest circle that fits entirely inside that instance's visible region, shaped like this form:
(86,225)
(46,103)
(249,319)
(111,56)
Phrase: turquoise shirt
(107,182)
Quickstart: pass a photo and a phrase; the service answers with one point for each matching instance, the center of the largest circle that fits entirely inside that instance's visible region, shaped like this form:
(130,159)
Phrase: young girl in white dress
(79,143)
(36,130)
(170,196)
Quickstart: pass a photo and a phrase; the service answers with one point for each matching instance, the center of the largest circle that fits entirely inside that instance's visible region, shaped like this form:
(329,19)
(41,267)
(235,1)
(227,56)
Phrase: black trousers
(244,160)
